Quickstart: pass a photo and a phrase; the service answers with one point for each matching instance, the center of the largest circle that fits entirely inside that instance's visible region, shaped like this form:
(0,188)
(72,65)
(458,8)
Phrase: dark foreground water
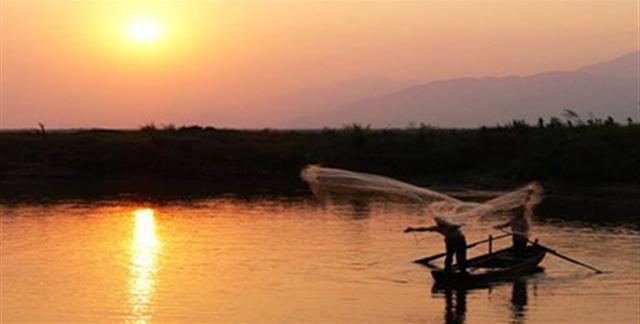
(282,260)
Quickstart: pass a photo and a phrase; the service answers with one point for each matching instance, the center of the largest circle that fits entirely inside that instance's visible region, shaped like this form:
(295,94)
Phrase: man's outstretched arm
(420,229)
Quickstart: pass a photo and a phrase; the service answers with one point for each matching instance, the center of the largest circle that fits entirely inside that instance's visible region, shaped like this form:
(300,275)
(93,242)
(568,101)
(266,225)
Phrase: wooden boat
(492,267)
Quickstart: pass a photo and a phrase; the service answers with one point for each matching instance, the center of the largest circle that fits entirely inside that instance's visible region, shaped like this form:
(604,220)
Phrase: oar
(440,255)
(552,251)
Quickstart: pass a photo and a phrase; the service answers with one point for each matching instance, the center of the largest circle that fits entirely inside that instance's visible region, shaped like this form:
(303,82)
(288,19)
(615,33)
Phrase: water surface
(285,260)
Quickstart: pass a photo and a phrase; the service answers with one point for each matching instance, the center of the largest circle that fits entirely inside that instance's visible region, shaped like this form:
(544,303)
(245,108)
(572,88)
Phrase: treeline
(571,151)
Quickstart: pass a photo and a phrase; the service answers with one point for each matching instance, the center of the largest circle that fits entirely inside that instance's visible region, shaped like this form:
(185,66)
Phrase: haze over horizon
(265,64)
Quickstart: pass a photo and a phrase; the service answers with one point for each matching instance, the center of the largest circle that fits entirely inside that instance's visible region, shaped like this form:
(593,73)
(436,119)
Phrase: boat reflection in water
(455,309)
(144,249)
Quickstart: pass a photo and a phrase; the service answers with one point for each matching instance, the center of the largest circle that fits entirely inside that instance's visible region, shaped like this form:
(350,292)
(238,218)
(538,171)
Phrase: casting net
(331,185)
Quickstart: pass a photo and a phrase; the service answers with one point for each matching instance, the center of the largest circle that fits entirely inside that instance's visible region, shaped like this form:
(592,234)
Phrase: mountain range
(610,88)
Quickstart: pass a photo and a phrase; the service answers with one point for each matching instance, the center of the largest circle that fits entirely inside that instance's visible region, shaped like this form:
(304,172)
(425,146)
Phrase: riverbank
(595,169)
(585,155)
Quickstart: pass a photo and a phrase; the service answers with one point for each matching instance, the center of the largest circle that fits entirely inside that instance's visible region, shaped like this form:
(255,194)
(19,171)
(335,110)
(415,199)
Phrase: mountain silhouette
(624,67)
(604,89)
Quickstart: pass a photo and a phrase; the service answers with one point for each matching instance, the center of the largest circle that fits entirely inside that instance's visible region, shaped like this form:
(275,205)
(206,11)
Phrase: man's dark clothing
(457,246)
(519,245)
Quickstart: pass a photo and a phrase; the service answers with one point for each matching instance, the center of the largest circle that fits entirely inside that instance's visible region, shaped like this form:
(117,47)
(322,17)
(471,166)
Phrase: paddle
(598,271)
(440,255)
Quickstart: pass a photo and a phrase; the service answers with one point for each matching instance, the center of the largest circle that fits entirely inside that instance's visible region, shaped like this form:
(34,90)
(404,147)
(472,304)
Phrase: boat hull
(498,266)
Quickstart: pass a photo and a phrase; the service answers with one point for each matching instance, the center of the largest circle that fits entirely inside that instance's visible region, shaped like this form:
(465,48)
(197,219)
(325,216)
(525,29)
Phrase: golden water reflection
(144,249)
(228,260)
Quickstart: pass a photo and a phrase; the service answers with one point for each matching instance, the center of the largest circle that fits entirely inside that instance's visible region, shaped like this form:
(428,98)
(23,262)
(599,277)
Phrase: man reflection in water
(520,227)
(455,313)
(454,241)
(519,300)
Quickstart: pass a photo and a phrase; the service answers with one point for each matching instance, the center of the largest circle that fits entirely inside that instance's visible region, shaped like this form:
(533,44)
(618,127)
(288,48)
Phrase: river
(283,260)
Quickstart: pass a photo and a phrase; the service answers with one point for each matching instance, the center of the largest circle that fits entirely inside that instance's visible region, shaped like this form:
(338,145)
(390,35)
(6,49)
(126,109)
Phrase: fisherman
(454,241)
(520,227)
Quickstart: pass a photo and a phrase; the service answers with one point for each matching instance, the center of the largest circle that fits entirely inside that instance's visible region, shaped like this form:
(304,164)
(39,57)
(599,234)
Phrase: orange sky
(71,64)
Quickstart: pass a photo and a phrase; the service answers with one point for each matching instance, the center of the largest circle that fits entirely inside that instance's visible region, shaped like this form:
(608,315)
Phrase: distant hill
(342,92)
(318,98)
(604,89)
(626,66)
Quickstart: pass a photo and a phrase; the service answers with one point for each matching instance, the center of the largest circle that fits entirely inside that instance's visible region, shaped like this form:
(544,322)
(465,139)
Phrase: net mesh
(330,184)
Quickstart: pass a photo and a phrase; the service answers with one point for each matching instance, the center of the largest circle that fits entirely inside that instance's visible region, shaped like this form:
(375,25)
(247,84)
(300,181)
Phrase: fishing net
(334,185)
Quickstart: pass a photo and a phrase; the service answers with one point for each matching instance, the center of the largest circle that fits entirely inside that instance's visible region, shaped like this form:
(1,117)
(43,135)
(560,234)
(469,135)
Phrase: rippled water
(282,260)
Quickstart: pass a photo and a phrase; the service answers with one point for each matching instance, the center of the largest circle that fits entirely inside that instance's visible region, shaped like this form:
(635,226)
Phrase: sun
(143,30)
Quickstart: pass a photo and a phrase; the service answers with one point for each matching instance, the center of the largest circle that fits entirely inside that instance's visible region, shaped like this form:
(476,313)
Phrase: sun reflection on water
(144,249)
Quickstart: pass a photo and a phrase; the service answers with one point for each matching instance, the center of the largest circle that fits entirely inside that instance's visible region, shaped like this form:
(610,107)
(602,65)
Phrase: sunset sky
(122,64)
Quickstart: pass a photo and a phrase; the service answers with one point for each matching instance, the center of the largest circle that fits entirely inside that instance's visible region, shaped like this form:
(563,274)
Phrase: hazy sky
(74,64)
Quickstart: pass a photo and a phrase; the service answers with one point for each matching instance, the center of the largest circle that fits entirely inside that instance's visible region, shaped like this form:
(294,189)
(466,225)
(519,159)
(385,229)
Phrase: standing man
(454,241)
(520,227)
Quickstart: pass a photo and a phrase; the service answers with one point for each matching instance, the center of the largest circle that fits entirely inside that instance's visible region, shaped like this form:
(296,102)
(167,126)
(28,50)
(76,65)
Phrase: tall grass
(588,152)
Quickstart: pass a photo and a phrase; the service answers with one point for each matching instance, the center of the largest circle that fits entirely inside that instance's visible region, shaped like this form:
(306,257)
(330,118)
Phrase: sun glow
(144,250)
(143,30)
(149,38)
